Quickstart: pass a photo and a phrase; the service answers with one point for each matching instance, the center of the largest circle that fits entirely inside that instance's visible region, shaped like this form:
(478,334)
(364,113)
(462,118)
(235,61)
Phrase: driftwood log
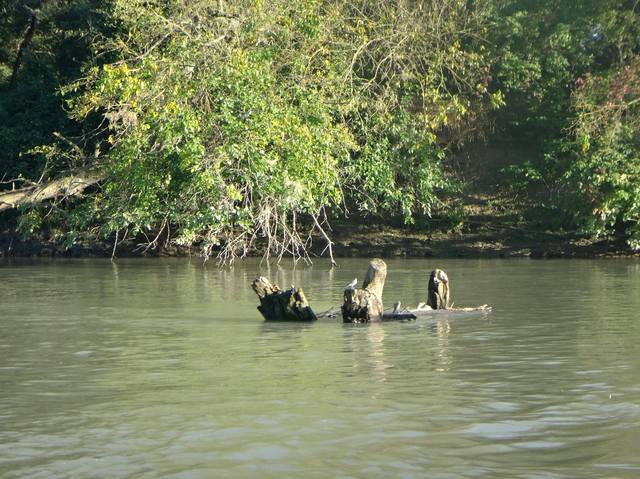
(362,305)
(424,310)
(279,305)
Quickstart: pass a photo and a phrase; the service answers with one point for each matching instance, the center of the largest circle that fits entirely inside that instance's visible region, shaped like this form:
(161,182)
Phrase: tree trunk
(364,305)
(375,277)
(278,305)
(24,44)
(68,186)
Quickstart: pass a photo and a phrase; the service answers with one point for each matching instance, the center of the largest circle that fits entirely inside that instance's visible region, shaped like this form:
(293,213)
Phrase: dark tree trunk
(24,44)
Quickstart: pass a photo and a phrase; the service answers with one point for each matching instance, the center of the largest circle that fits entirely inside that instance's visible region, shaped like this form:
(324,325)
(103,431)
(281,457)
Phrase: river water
(164,368)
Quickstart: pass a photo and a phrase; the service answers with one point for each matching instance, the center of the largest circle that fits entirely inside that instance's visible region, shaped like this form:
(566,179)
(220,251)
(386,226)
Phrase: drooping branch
(68,186)
(326,237)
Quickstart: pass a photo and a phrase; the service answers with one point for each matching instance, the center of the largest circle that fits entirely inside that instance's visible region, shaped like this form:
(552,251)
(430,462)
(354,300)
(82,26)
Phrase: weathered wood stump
(279,305)
(438,290)
(365,304)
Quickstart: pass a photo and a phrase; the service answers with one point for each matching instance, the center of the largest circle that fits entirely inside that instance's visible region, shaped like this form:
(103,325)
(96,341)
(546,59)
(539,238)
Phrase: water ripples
(101,376)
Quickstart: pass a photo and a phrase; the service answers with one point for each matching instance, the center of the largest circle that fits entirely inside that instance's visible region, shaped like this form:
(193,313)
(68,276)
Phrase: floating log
(397,313)
(429,312)
(279,305)
(365,304)
(402,316)
(421,312)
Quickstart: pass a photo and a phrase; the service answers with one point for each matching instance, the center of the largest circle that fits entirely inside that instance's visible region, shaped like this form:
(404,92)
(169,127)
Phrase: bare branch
(326,237)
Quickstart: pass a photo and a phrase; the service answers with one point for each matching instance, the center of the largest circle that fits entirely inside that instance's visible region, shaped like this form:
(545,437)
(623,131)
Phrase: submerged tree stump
(438,290)
(364,305)
(279,305)
(361,305)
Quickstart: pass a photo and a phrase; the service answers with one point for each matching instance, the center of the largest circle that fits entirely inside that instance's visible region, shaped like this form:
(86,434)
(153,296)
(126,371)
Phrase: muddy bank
(367,241)
(13,245)
(483,243)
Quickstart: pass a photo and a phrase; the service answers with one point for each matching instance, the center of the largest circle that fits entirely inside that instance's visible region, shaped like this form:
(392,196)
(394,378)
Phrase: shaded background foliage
(221,123)
(32,109)
(551,59)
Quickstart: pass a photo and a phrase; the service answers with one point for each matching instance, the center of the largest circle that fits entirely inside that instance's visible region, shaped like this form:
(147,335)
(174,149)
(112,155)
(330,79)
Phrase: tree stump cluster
(360,305)
(279,305)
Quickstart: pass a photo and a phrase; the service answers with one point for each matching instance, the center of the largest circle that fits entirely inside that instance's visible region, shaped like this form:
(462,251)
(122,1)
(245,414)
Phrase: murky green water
(163,368)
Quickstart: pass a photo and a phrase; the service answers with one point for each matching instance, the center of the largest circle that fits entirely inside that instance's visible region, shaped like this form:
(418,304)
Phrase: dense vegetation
(221,123)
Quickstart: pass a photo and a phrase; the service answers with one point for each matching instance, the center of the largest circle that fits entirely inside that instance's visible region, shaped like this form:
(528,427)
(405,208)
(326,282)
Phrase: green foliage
(217,144)
(227,126)
(222,123)
(402,167)
(606,146)
(570,76)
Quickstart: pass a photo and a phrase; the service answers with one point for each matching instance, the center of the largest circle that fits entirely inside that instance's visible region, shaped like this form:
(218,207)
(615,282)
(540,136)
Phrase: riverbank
(484,241)
(370,240)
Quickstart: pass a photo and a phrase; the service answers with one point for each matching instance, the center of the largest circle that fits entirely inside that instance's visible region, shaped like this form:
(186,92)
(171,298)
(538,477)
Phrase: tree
(562,67)
(224,124)
(606,149)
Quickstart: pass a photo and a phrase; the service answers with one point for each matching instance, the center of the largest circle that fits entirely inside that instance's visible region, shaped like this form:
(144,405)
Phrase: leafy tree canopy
(225,123)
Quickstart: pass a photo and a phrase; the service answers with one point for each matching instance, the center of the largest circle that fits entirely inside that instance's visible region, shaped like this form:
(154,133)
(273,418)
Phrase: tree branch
(68,186)
(326,237)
